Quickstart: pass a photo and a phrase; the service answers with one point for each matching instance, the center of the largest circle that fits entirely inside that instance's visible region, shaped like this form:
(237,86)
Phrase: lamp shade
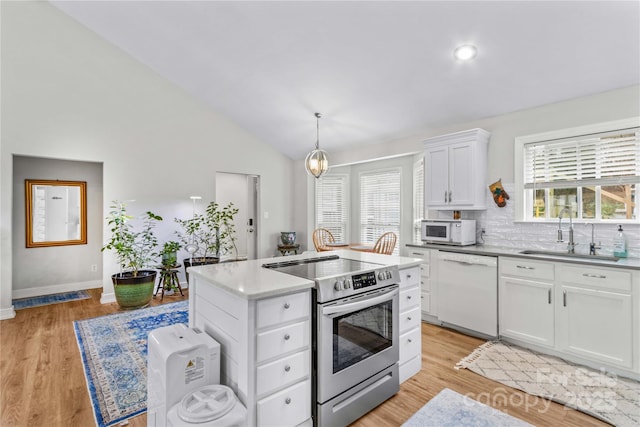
(316,162)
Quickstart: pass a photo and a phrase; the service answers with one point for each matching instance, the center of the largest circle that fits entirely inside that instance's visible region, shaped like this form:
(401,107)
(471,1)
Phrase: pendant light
(317,162)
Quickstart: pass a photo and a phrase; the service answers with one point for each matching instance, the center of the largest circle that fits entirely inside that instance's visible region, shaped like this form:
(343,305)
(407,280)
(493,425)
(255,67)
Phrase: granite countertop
(250,280)
(489,250)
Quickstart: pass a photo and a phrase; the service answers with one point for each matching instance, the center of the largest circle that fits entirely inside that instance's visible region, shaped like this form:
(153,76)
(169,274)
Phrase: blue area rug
(451,409)
(114,355)
(19,304)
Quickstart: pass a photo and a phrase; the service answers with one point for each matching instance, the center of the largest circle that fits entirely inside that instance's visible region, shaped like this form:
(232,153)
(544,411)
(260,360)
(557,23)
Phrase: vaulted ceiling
(376,70)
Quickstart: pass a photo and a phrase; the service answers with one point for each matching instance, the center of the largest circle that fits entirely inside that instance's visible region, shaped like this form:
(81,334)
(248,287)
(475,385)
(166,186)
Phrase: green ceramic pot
(134,291)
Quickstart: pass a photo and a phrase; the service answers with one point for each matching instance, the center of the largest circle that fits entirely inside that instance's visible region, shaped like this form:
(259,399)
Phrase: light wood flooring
(42,381)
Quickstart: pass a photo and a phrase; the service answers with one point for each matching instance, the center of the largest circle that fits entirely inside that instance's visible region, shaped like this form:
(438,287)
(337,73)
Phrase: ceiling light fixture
(317,162)
(465,52)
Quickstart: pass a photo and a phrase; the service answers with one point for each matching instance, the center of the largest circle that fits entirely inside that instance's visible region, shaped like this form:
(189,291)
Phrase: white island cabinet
(263,322)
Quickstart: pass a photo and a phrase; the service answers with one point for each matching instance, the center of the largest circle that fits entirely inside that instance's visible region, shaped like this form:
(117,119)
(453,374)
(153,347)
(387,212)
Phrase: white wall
(68,94)
(613,105)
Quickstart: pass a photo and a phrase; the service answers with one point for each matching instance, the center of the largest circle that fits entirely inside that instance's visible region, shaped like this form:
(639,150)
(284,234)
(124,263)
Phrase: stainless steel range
(355,343)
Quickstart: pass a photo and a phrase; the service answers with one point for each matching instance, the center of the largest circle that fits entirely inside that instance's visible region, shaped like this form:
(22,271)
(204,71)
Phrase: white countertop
(250,280)
(489,250)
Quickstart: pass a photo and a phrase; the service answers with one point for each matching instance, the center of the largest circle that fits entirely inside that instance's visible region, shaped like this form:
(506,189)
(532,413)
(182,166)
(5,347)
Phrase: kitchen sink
(569,255)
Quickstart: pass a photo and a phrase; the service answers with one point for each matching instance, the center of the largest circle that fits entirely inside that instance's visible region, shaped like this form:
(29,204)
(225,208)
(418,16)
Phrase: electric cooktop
(321,267)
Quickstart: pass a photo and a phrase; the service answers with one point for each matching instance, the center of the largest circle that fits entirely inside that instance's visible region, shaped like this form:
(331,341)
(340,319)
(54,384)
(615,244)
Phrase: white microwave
(449,231)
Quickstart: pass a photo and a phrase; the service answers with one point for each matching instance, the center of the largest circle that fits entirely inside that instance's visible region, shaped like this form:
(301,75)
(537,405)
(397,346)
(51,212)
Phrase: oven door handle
(359,304)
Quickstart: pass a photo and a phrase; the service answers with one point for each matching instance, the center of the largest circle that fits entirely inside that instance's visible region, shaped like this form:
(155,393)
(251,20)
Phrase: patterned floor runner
(451,409)
(601,394)
(114,356)
(19,304)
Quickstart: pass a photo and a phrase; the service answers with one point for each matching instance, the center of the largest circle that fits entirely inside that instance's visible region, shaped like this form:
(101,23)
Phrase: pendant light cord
(318,130)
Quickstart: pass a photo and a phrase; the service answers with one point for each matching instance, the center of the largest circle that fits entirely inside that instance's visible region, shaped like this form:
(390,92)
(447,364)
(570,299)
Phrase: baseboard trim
(107,298)
(54,289)
(7,313)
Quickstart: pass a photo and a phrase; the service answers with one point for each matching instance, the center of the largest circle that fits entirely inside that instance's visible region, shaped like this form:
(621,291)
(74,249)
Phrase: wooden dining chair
(321,237)
(385,243)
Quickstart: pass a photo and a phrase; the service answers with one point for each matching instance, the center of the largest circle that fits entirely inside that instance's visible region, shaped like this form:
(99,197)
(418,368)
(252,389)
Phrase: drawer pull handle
(525,267)
(409,339)
(287,400)
(287,368)
(408,276)
(287,305)
(286,337)
(549,296)
(564,298)
(409,318)
(595,276)
(408,296)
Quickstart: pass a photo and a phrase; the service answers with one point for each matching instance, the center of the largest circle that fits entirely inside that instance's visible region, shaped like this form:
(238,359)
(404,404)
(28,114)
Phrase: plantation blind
(418,197)
(331,205)
(607,158)
(379,204)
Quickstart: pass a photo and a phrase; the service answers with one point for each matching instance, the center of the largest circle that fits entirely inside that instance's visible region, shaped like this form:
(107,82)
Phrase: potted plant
(208,235)
(135,249)
(169,253)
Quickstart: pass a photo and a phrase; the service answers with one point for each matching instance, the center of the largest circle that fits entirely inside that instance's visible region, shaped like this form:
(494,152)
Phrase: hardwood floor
(42,382)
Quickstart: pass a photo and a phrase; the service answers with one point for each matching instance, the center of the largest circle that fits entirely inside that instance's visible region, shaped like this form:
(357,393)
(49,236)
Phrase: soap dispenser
(620,244)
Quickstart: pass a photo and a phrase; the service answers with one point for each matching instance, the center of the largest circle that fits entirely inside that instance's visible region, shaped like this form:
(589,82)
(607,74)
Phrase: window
(379,204)
(593,172)
(331,205)
(418,197)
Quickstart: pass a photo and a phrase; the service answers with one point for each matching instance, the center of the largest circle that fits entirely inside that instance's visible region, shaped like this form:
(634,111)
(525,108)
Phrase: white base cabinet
(265,350)
(587,314)
(428,291)
(526,309)
(595,314)
(409,328)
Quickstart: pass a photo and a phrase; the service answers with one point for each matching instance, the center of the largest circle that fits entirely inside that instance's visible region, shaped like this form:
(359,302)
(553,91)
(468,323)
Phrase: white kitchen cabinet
(595,316)
(526,308)
(455,170)
(409,327)
(583,313)
(265,350)
(428,292)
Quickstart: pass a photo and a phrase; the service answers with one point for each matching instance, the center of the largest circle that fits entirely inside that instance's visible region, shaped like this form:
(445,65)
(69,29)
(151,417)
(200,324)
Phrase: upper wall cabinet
(455,171)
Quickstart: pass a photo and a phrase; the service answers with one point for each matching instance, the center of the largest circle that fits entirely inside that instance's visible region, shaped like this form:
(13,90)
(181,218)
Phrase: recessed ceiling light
(465,52)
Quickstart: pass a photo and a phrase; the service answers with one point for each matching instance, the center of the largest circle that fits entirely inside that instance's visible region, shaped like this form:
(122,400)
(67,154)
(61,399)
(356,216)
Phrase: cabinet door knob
(287,400)
(409,340)
(408,296)
(286,337)
(409,318)
(287,305)
(287,368)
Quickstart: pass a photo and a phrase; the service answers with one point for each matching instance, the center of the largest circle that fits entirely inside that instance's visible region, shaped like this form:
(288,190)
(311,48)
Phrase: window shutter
(607,158)
(331,205)
(379,204)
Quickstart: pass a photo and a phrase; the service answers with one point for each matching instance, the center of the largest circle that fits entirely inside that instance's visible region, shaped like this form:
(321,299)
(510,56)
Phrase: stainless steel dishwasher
(468,291)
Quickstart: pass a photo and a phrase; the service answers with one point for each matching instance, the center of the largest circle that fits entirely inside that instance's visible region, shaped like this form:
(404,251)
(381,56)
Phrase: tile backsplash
(501,230)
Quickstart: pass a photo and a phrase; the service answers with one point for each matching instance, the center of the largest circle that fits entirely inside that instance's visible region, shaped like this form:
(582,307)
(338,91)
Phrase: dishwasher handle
(470,262)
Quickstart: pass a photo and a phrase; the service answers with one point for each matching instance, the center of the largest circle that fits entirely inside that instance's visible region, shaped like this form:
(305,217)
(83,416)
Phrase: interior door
(242,191)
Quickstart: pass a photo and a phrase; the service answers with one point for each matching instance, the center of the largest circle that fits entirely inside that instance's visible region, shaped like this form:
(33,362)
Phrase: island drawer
(409,298)
(519,267)
(409,344)
(281,309)
(288,407)
(282,340)
(281,372)
(409,277)
(408,319)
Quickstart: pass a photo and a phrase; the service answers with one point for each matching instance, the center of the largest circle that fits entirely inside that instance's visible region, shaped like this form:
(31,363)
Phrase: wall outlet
(94,267)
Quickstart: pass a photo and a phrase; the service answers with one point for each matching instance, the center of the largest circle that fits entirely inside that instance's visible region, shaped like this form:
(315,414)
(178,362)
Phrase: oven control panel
(364,280)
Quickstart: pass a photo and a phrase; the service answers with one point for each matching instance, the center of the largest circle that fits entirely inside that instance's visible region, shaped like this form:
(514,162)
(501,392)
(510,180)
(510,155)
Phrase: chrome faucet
(571,246)
(592,244)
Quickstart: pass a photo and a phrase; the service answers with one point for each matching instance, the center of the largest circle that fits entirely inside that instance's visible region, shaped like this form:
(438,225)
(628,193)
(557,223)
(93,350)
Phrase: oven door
(357,338)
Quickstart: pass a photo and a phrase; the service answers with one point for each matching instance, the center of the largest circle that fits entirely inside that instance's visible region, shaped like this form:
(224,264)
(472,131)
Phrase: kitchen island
(263,321)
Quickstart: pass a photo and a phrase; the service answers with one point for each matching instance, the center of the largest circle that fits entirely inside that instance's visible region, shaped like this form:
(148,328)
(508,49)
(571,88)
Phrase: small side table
(288,249)
(168,279)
